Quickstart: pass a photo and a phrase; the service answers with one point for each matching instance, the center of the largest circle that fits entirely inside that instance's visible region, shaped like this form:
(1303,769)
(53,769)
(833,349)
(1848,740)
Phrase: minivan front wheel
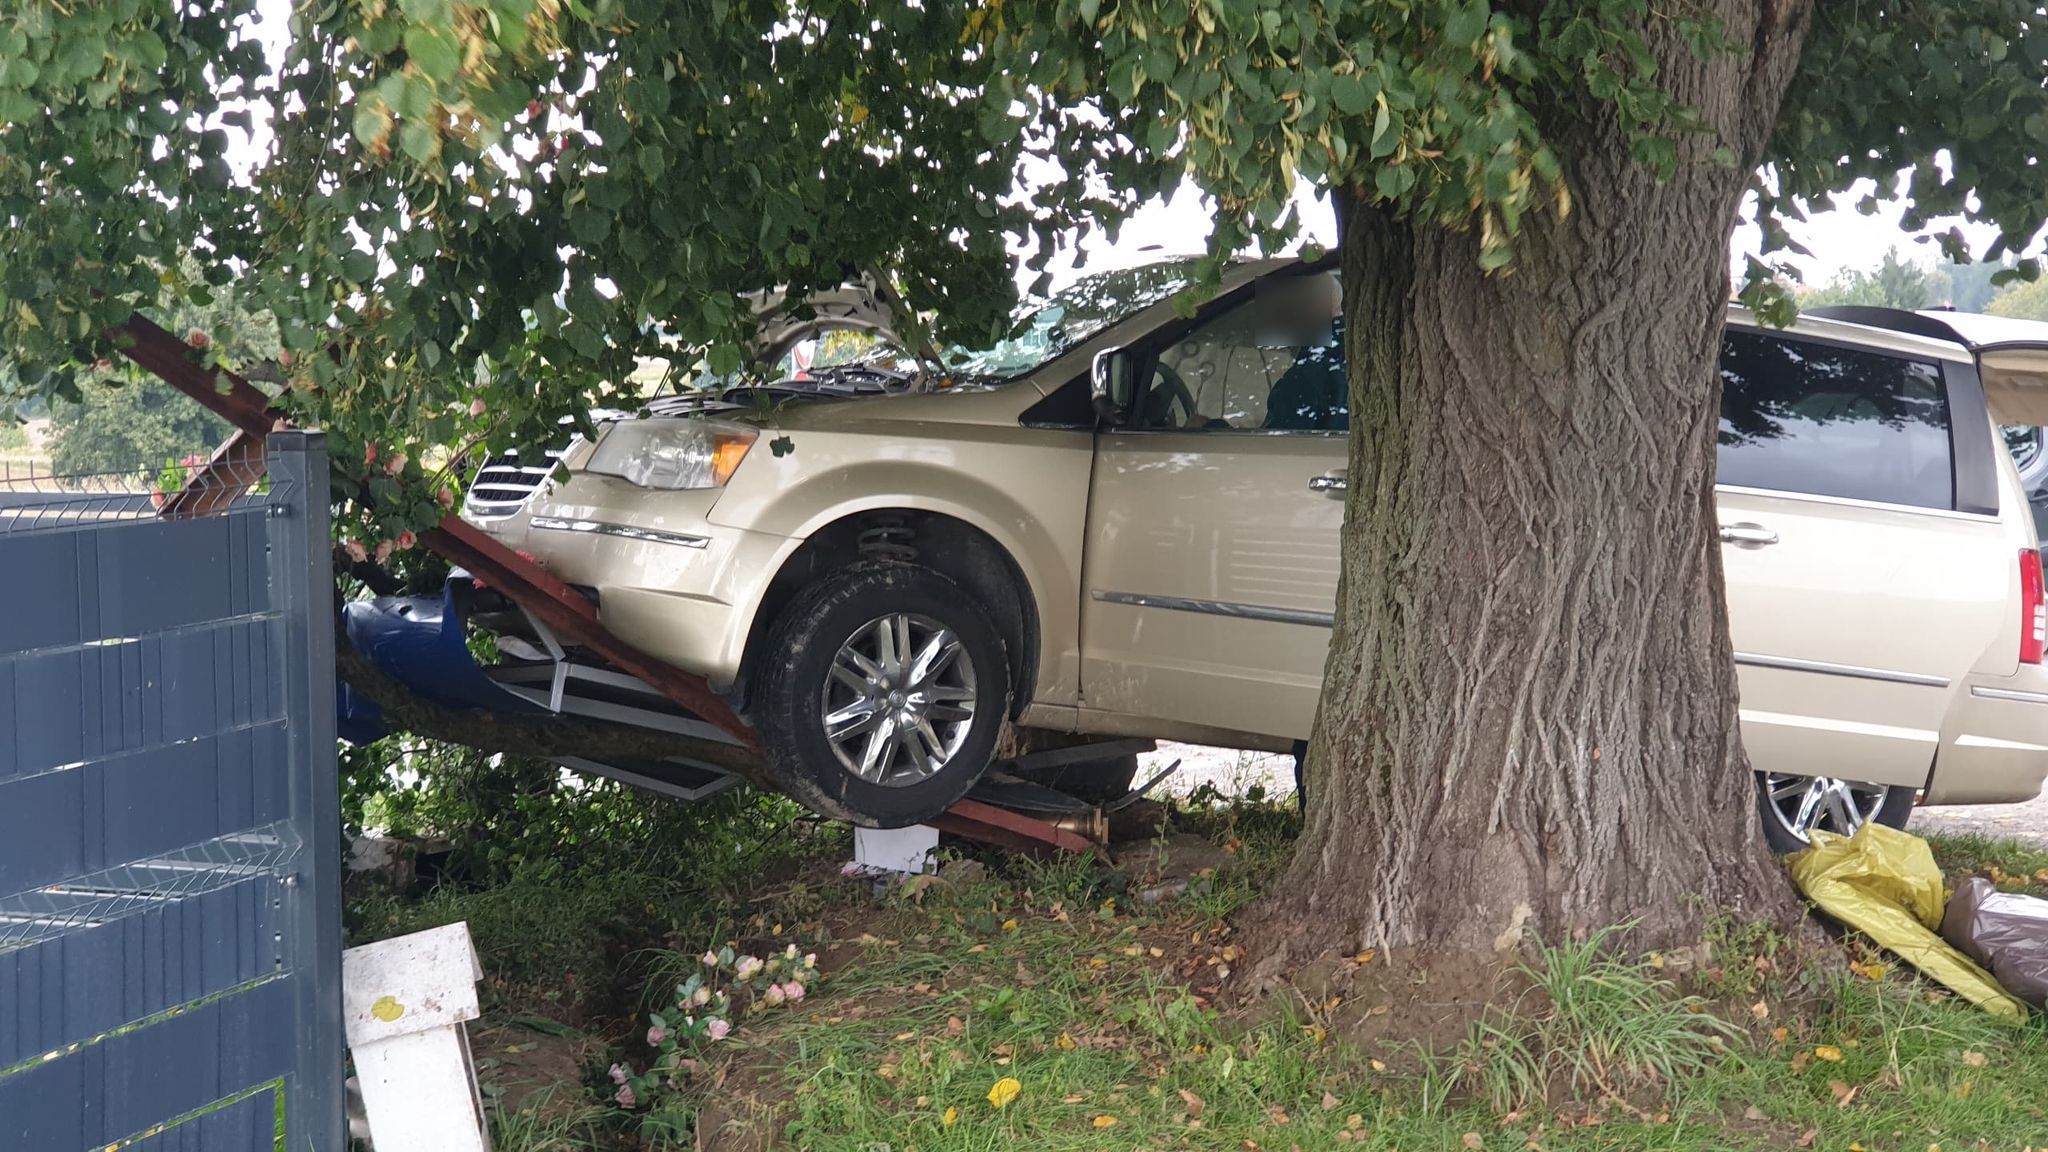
(1792,807)
(885,689)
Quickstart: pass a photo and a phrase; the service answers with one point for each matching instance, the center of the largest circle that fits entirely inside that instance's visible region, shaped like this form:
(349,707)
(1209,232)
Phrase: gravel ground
(2028,821)
(1233,771)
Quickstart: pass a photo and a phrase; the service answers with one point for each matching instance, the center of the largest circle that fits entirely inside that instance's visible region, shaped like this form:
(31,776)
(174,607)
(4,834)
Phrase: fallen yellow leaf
(1003,1091)
(1472,1140)
(1104,1121)
(1975,1059)
(1009,925)
(1829,1053)
(1377,1065)
(1760,1010)
(1065,1043)
(952,1115)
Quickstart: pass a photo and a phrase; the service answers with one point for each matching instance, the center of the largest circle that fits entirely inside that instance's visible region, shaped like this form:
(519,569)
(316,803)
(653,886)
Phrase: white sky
(1840,239)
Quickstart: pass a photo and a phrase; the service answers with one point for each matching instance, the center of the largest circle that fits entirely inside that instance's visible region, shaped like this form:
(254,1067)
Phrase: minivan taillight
(2033,609)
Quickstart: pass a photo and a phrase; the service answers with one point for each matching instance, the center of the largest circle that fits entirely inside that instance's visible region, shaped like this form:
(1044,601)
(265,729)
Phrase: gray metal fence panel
(170,927)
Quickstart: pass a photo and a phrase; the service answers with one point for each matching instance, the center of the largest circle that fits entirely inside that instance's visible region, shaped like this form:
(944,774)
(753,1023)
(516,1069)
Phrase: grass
(1591,1025)
(1106,1013)
(2013,865)
(553,1123)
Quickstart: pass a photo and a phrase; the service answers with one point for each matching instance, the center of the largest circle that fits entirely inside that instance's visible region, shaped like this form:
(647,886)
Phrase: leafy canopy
(468,216)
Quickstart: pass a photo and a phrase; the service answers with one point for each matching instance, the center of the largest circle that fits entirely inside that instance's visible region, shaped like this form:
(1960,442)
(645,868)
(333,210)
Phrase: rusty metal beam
(1006,829)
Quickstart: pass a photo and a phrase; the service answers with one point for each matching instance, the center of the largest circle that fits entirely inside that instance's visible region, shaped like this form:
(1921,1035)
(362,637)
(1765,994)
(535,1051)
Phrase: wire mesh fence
(34,496)
(102,897)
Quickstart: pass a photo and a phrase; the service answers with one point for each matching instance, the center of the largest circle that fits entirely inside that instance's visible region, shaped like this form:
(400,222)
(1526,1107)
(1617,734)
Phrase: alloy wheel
(1801,804)
(899,700)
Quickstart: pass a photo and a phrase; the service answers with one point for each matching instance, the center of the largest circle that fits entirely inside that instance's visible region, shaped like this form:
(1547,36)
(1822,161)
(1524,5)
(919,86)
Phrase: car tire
(1890,806)
(903,749)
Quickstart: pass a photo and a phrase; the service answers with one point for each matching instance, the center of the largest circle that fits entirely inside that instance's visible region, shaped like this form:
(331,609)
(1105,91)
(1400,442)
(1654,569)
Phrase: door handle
(1332,482)
(1747,535)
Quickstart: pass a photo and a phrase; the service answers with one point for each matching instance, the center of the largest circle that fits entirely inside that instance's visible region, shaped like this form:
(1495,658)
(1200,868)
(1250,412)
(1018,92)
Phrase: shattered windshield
(1072,316)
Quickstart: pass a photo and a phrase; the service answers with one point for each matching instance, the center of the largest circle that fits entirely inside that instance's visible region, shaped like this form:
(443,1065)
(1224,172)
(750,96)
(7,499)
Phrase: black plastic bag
(2004,932)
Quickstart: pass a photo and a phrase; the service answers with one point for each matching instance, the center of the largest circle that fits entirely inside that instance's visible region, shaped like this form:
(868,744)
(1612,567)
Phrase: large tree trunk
(1528,724)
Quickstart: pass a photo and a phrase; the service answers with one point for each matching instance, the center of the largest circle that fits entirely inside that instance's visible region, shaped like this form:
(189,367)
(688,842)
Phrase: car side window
(1274,363)
(1801,416)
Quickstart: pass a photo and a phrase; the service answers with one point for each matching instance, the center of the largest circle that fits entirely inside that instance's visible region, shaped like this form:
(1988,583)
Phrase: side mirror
(1109,378)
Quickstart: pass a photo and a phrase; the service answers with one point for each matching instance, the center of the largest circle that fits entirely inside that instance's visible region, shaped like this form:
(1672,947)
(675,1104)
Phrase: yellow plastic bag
(1884,883)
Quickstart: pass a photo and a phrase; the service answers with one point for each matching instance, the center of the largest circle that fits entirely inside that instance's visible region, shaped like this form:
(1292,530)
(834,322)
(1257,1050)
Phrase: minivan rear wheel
(884,690)
(1791,807)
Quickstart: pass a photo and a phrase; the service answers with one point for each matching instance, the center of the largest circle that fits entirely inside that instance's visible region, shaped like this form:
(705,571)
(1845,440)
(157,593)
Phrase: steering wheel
(1169,390)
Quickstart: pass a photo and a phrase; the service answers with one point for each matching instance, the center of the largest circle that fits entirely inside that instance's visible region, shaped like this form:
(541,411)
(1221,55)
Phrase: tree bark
(1528,723)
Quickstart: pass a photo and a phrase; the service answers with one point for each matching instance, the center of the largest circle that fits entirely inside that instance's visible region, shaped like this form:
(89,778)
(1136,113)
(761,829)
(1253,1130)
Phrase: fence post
(302,577)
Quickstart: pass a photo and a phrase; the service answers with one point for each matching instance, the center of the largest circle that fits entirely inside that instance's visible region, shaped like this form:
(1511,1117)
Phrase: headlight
(671,454)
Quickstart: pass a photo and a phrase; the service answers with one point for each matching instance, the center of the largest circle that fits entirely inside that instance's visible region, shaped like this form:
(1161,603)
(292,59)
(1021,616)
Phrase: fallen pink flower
(625,1096)
(717,1029)
(656,1035)
(793,991)
(619,1073)
(773,995)
(710,959)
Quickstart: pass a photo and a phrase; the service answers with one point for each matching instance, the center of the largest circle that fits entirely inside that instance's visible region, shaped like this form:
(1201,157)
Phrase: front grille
(505,483)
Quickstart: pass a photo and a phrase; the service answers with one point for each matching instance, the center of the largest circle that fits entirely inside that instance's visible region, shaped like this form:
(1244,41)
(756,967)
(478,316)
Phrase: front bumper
(668,581)
(1994,741)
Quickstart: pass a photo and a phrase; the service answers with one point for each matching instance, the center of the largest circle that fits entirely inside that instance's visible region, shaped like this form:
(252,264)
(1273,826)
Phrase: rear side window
(1812,418)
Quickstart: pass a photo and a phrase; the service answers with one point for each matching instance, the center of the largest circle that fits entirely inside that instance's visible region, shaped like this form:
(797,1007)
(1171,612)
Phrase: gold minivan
(1124,522)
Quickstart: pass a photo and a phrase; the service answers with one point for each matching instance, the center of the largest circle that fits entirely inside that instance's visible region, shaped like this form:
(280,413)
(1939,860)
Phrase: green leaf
(419,141)
(434,51)
(1349,94)
(358,267)
(1466,22)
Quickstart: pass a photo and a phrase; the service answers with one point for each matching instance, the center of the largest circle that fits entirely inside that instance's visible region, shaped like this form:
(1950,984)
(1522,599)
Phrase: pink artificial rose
(710,959)
(773,995)
(198,338)
(618,1073)
(655,1036)
(384,551)
(625,1096)
(395,464)
(717,1029)
(369,454)
(445,498)
(355,551)
(406,540)
(793,991)
(476,406)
